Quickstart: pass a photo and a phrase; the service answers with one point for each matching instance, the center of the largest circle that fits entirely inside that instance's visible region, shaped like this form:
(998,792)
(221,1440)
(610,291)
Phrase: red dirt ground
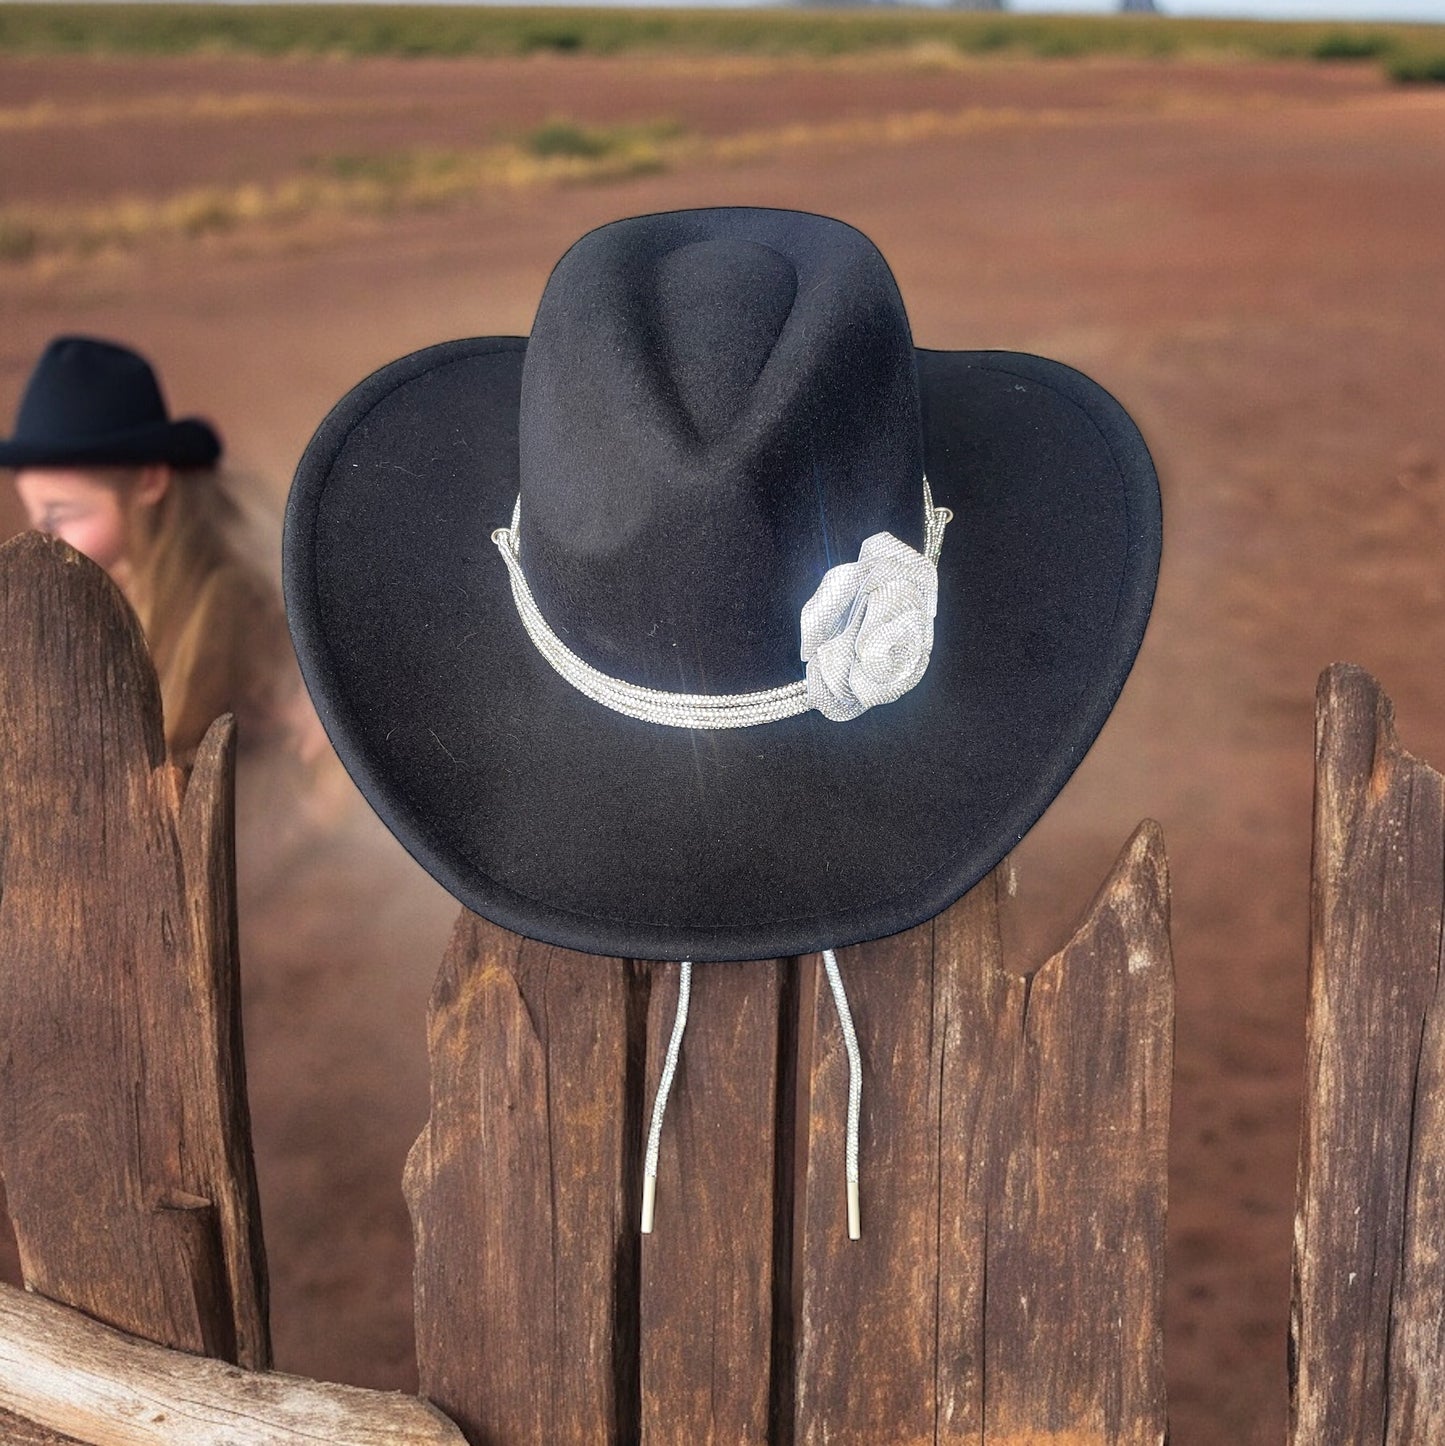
(1247,255)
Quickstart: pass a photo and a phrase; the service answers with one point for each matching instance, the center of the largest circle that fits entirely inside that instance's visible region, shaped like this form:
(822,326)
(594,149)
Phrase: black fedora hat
(552,595)
(94,403)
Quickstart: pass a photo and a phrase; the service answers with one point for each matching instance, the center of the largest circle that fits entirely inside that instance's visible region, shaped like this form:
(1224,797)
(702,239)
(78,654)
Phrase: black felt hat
(94,403)
(714,442)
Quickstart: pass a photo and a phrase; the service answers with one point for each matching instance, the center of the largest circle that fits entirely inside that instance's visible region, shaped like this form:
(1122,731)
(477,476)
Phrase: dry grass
(48,115)
(559,152)
(898,129)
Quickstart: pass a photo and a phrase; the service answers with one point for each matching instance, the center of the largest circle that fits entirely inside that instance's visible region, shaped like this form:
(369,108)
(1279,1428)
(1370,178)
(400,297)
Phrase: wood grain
(213,1067)
(17,1432)
(69,1374)
(124,1140)
(1368,1342)
(526,1239)
(707,1268)
(1008,1286)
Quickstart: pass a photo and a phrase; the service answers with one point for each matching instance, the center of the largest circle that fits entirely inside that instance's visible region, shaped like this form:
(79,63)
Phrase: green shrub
(1419,69)
(1352,45)
(559,39)
(1059,45)
(566,138)
(984,38)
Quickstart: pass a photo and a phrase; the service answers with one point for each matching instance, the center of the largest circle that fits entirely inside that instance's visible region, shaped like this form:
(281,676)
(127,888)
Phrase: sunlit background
(1236,230)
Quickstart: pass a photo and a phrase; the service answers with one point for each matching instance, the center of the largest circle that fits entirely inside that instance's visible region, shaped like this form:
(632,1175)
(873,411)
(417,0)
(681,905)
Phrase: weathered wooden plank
(1417,1326)
(1074,1255)
(73,1375)
(526,1241)
(213,1082)
(707,1268)
(17,1432)
(1008,1287)
(1015,1133)
(1370,1210)
(865,1358)
(122,1135)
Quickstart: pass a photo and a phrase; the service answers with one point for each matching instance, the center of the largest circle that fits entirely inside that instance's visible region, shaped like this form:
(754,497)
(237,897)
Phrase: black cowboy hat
(534,583)
(94,403)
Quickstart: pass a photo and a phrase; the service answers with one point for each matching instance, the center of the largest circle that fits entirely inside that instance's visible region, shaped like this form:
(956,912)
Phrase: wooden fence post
(124,1127)
(1008,1286)
(1368,1327)
(526,1244)
(718,1257)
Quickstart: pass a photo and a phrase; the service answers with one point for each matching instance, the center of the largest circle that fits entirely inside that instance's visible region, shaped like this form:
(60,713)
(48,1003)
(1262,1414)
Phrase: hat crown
(83,387)
(717,406)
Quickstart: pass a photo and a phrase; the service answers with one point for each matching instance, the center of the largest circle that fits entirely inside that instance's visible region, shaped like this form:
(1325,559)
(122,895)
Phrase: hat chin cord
(669,1070)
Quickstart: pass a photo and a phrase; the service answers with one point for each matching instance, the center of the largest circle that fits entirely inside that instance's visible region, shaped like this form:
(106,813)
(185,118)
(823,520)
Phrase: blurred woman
(99,463)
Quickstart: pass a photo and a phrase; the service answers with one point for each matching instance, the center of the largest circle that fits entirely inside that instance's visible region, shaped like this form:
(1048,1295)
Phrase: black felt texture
(567,822)
(708,396)
(93,402)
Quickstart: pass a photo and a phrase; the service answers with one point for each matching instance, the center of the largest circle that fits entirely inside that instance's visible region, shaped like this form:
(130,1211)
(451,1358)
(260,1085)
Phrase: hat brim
(566,822)
(188,442)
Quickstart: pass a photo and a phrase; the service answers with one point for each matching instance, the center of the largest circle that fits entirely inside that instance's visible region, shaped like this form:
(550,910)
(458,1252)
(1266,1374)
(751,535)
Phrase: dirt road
(1248,256)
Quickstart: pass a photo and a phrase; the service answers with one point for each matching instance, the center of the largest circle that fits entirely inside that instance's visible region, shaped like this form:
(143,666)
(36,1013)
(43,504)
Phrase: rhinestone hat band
(866,637)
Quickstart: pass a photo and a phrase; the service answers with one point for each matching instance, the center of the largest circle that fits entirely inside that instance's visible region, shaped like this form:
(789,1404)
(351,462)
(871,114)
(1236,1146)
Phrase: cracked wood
(1008,1286)
(1368,1334)
(526,1239)
(124,1129)
(69,1378)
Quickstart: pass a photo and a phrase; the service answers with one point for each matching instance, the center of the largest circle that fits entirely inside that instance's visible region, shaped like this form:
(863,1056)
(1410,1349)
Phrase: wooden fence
(1008,1285)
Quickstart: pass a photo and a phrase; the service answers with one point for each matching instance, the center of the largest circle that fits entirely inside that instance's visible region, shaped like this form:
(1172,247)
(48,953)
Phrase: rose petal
(871,688)
(826,612)
(827,678)
(889,647)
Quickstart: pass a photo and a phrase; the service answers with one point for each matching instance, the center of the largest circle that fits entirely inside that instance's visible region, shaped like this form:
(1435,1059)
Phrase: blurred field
(456,30)
(1245,251)
(109,152)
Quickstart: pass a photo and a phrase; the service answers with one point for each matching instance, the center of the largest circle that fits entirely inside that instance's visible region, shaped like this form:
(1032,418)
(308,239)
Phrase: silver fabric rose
(868,629)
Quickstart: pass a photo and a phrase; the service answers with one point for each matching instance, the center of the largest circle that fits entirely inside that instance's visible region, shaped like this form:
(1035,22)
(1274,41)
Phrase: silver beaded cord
(655,705)
(664,1088)
(669,1070)
(855,1089)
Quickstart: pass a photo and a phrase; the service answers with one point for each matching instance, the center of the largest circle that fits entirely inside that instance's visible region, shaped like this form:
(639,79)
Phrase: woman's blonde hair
(176,545)
(208,604)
